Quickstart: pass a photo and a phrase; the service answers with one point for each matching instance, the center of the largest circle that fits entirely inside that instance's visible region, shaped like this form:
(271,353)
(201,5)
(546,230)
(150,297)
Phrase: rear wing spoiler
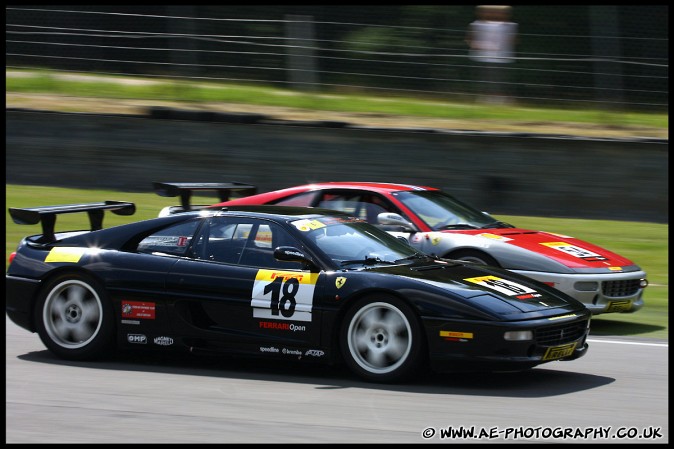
(185,189)
(47,214)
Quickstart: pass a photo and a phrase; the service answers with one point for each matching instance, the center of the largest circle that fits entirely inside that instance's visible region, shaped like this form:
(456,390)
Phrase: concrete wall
(500,173)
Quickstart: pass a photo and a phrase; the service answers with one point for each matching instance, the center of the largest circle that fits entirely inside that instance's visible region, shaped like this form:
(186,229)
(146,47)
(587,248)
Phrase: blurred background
(569,118)
(567,56)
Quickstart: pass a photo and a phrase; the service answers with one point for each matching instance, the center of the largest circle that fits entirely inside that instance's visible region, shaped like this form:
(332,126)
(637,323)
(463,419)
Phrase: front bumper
(470,345)
(600,293)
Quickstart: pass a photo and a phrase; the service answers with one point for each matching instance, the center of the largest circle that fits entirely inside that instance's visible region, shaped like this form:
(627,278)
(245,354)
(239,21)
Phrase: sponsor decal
(130,322)
(507,287)
(269,349)
(314,353)
(416,238)
(615,268)
(182,241)
(292,351)
(488,235)
(456,336)
(436,239)
(293,253)
(136,339)
(527,296)
(71,255)
(282,326)
(558,352)
(283,295)
(575,251)
(307,225)
(340,281)
(136,309)
(163,341)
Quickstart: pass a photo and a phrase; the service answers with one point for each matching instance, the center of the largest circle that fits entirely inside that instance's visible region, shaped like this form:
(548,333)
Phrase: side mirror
(291,254)
(393,219)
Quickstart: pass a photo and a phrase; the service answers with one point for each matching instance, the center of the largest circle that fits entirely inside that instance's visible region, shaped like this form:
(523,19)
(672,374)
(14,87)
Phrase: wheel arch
(458,253)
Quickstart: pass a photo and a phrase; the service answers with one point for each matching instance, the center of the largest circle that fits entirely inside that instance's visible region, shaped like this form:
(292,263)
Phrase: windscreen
(442,211)
(350,239)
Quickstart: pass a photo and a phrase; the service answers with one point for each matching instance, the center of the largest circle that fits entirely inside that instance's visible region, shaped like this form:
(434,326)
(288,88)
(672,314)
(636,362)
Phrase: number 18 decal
(283,295)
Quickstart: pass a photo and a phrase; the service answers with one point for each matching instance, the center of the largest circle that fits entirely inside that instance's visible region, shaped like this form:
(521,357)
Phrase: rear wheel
(381,339)
(74,318)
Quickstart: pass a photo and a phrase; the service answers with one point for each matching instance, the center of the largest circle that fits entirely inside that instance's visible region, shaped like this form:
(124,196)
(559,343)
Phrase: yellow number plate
(619,306)
(559,352)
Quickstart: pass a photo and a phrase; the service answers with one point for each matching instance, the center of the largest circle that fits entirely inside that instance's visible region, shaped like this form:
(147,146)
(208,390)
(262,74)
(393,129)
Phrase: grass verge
(88,85)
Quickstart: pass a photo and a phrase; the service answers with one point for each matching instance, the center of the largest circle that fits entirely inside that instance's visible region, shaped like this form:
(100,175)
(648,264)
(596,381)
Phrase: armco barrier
(502,173)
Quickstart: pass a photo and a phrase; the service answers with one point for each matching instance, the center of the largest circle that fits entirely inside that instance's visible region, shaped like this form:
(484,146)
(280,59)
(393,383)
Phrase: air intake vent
(560,334)
(615,289)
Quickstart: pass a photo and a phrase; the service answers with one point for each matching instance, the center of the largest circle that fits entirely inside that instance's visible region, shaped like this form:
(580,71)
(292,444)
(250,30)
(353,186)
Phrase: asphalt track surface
(619,388)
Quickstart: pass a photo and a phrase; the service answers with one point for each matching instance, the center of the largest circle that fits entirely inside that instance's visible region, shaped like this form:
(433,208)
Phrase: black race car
(272,281)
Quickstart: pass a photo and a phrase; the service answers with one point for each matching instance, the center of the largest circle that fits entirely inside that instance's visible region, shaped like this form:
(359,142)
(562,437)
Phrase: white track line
(623,342)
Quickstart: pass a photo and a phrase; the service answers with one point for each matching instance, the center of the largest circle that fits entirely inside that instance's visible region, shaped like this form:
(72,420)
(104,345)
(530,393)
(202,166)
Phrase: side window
(263,237)
(173,240)
(242,241)
(222,240)
(373,205)
(302,200)
(363,205)
(347,202)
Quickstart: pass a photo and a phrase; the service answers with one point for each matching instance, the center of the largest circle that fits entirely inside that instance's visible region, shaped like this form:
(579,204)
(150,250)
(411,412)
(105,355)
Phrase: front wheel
(381,339)
(74,318)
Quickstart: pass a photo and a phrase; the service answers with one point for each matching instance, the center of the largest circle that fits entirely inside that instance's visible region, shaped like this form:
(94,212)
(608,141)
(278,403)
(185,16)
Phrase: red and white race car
(438,224)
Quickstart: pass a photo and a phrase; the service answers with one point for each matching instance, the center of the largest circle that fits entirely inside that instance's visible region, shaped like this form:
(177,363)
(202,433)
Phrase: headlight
(518,335)
(643,283)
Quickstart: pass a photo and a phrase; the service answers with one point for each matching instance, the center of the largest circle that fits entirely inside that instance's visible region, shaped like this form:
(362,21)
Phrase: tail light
(11,257)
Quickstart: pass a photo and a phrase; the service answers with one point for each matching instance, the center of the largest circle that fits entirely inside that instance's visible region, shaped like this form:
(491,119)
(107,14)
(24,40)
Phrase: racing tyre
(381,339)
(474,256)
(74,318)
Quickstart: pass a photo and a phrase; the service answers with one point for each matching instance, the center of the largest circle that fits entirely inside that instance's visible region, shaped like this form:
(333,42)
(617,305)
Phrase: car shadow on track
(604,327)
(534,383)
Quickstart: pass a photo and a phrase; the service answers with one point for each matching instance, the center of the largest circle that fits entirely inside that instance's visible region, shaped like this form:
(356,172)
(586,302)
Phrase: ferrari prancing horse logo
(340,281)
